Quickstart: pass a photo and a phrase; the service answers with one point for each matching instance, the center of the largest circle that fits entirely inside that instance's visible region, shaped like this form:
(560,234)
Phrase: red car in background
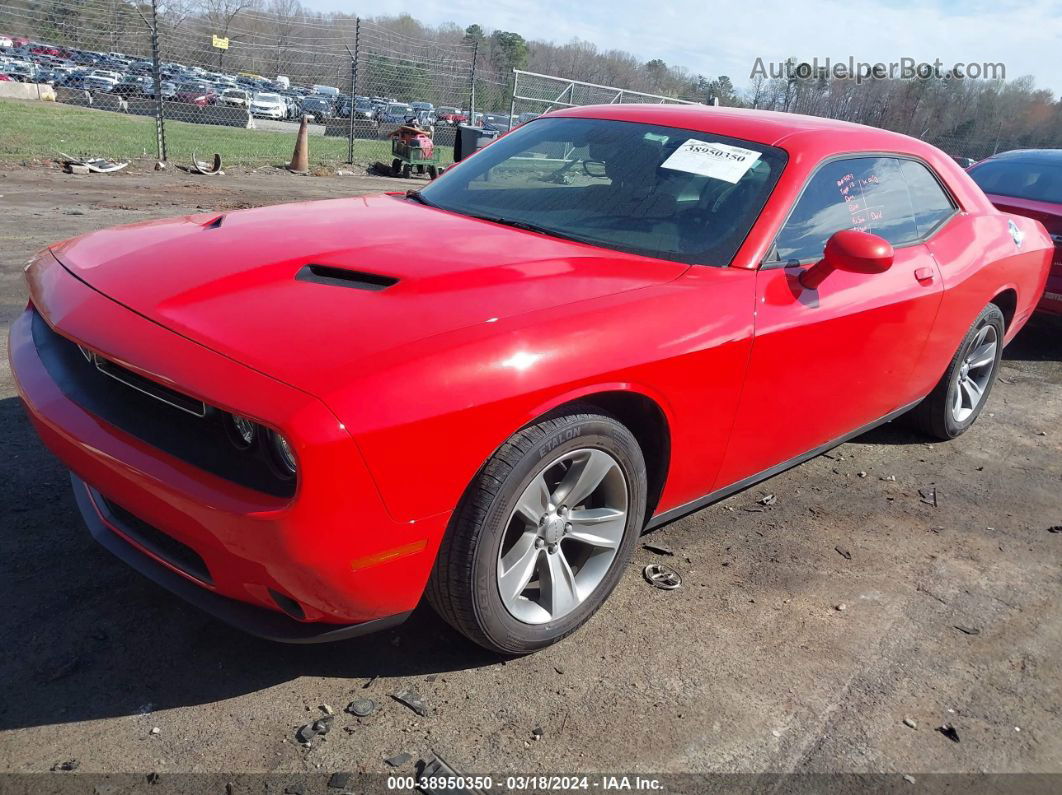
(200,94)
(447,115)
(303,418)
(1029,182)
(44,49)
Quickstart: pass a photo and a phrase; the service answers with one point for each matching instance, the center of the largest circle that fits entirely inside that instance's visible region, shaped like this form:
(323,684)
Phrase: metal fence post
(353,89)
(472,86)
(512,100)
(156,75)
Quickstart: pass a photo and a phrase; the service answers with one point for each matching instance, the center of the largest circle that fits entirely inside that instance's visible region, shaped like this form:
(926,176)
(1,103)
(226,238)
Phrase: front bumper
(332,548)
(108,530)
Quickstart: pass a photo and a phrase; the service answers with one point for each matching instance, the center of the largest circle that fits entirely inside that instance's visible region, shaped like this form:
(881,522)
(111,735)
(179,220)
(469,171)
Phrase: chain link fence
(965,149)
(183,80)
(237,82)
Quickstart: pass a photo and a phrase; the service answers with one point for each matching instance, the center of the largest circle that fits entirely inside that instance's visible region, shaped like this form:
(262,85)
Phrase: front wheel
(957,400)
(543,534)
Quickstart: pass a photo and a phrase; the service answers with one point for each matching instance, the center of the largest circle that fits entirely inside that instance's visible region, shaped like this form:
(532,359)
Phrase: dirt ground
(750,667)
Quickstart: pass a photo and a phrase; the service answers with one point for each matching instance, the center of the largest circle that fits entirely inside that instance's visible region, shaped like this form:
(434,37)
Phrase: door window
(864,193)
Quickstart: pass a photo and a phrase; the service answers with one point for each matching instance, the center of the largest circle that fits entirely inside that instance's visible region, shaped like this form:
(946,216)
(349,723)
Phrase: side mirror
(849,250)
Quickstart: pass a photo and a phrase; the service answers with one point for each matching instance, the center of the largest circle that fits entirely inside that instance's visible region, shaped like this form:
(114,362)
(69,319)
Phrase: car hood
(228,281)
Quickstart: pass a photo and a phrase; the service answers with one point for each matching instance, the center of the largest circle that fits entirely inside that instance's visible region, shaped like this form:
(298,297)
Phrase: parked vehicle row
(129,76)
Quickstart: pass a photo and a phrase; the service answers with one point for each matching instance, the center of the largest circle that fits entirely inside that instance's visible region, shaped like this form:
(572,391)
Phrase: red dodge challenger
(304,418)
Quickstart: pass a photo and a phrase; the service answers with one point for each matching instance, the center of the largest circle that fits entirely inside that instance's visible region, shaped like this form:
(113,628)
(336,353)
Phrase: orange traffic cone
(300,158)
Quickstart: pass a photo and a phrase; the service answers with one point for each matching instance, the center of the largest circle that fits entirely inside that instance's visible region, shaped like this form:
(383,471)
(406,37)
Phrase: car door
(830,361)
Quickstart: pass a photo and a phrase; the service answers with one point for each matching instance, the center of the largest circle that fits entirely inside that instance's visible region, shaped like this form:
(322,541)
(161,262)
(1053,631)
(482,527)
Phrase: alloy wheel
(974,374)
(563,536)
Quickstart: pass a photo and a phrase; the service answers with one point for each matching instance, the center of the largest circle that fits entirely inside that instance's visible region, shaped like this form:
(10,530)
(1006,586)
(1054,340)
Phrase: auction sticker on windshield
(719,161)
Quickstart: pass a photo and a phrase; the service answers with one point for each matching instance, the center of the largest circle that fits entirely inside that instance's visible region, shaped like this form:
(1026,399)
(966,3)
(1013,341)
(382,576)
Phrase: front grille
(155,541)
(148,411)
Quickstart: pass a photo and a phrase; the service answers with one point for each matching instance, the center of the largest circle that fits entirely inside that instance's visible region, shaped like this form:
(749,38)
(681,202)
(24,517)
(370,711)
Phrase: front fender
(428,416)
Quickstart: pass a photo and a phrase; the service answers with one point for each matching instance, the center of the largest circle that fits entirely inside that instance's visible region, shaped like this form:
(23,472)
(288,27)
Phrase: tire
(433,172)
(396,166)
(937,415)
(466,583)
(407,169)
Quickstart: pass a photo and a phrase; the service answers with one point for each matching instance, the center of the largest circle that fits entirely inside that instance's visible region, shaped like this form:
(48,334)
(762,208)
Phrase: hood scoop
(342,277)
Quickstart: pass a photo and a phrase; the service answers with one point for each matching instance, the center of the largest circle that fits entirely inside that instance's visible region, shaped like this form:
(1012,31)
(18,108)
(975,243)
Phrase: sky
(714,38)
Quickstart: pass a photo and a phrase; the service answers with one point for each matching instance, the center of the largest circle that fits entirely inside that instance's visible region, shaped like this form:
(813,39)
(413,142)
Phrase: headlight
(282,452)
(243,431)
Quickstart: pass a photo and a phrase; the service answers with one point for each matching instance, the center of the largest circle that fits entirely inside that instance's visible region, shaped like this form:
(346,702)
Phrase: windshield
(398,110)
(1036,180)
(267,97)
(676,194)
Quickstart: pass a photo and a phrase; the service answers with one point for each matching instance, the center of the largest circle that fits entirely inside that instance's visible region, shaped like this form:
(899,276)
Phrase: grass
(32,130)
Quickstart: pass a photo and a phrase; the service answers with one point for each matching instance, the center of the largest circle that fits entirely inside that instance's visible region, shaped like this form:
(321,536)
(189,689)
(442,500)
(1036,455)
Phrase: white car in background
(269,106)
(106,74)
(22,71)
(234,98)
(98,82)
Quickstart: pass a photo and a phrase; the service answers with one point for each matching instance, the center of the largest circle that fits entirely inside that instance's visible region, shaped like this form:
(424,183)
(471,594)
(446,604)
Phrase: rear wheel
(543,534)
(957,400)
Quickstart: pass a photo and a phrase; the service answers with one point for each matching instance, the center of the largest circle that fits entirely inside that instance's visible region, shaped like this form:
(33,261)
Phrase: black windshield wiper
(527,226)
(414,194)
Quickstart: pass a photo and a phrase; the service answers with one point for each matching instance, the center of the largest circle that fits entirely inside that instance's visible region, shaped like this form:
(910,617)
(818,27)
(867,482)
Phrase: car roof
(761,126)
(1030,155)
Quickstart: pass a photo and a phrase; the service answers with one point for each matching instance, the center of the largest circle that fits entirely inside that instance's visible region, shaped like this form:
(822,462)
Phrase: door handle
(924,275)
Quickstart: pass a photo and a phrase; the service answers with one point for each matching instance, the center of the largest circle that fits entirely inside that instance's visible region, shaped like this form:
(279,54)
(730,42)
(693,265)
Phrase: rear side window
(932,205)
(864,193)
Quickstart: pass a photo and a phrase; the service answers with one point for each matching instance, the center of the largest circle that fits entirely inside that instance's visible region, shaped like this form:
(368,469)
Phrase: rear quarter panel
(978,260)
